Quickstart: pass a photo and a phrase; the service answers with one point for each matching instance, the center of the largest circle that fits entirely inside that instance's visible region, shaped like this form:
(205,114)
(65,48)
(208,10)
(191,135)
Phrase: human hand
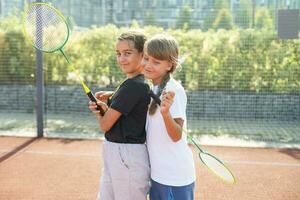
(103,95)
(93,106)
(166,102)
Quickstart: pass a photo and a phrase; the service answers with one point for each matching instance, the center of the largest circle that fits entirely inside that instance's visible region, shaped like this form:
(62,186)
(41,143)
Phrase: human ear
(170,66)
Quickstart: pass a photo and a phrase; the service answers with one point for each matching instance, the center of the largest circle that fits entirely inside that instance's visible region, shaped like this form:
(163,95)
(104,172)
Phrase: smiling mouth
(148,71)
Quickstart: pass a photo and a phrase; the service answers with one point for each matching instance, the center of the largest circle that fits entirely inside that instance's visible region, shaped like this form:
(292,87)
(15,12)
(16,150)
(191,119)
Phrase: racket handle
(93,99)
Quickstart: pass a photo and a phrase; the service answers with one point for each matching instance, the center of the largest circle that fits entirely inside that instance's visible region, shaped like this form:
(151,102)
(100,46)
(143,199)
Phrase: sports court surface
(63,169)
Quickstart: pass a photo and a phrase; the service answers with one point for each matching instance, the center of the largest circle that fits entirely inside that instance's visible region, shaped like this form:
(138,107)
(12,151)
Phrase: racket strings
(42,20)
(213,164)
(217,167)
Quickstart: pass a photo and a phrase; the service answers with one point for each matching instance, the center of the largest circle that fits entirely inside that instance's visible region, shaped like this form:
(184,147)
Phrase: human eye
(145,61)
(156,62)
(127,53)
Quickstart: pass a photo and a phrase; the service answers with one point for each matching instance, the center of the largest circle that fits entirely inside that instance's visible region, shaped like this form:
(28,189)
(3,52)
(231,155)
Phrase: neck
(133,74)
(158,81)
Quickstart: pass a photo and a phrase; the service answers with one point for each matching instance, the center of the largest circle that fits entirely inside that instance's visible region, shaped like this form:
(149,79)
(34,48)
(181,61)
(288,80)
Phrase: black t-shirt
(132,100)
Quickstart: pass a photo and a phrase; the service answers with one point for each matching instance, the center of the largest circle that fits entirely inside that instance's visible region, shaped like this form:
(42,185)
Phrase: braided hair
(161,87)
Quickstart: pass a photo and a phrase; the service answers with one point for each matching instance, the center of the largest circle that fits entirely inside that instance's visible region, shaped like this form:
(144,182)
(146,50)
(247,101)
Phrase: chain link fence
(242,81)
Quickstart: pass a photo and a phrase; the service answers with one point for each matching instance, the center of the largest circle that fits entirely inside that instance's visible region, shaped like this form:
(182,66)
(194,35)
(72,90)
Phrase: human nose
(121,58)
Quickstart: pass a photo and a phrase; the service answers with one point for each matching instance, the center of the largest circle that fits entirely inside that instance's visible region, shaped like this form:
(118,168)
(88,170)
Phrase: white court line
(239,162)
(268,163)
(52,153)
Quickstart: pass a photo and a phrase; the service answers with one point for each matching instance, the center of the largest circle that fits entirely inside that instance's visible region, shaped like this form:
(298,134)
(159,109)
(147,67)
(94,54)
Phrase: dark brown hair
(137,37)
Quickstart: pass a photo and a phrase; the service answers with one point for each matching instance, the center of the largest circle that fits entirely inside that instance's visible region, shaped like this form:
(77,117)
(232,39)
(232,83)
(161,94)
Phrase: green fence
(241,80)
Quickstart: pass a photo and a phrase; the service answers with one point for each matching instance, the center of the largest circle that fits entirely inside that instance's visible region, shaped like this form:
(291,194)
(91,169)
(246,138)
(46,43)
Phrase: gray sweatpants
(126,172)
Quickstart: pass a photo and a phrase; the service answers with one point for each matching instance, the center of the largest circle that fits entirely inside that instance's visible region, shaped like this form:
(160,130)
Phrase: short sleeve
(127,97)
(178,108)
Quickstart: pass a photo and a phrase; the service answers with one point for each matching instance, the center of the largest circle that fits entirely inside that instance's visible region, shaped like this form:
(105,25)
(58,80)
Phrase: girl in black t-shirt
(126,170)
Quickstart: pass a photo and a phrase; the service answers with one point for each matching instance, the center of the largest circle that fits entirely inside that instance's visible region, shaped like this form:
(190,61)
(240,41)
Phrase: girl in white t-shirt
(171,160)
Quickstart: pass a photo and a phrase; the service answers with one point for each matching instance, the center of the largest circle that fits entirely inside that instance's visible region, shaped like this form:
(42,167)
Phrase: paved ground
(63,169)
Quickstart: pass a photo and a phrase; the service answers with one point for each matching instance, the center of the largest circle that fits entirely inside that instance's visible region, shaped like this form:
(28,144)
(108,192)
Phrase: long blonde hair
(162,47)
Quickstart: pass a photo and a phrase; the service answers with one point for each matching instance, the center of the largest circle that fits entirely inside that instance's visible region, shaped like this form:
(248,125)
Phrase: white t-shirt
(171,162)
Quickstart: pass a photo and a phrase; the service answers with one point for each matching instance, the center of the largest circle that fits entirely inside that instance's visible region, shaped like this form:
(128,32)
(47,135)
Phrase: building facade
(163,13)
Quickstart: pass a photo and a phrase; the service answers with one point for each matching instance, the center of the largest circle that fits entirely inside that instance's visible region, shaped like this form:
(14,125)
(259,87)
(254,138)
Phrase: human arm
(108,119)
(103,95)
(122,103)
(173,125)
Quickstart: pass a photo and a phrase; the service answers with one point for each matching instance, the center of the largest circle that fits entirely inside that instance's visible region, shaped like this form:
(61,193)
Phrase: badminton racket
(48,31)
(214,164)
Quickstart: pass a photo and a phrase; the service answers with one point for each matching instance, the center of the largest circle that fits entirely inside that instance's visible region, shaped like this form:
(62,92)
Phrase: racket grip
(93,99)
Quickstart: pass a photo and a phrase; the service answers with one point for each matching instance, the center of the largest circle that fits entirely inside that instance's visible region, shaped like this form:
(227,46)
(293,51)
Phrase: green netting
(241,80)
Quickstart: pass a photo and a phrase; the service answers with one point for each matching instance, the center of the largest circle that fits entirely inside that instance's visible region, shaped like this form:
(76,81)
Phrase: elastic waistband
(120,143)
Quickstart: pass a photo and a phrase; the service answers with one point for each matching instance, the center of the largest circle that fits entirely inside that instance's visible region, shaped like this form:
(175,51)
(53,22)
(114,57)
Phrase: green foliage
(10,22)
(220,4)
(242,17)
(135,24)
(232,60)
(183,21)
(212,13)
(17,56)
(263,19)
(209,19)
(223,20)
(92,53)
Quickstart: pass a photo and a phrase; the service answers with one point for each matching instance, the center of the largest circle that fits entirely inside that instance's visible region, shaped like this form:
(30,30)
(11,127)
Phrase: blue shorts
(164,192)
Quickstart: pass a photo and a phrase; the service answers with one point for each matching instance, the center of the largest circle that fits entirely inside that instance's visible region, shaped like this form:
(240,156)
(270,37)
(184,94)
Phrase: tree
(243,14)
(209,19)
(263,19)
(221,4)
(184,18)
(135,24)
(223,20)
(212,12)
